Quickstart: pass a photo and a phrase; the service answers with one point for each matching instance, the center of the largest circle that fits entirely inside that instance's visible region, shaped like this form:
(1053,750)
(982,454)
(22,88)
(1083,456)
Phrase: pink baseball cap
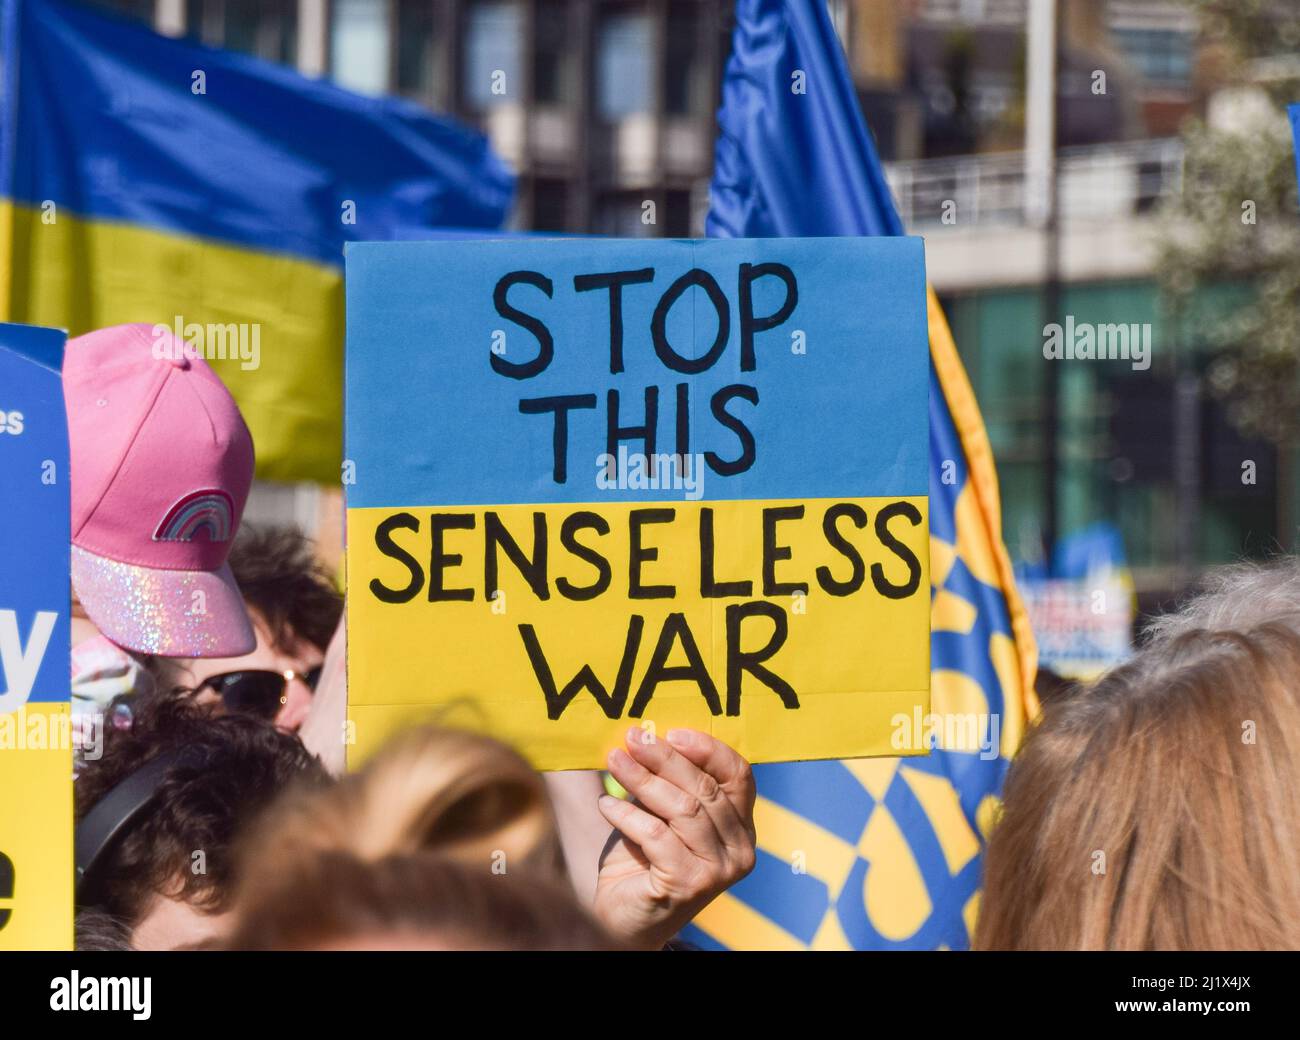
(161,468)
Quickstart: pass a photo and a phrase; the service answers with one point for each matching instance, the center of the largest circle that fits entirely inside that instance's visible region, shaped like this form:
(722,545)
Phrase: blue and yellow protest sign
(35,724)
(598,482)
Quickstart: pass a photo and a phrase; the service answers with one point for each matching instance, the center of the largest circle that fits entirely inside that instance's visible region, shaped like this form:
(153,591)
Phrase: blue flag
(873,853)
(149,179)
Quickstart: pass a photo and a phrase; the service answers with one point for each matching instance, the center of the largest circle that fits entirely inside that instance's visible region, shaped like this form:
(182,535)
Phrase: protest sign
(1083,626)
(36,866)
(594,483)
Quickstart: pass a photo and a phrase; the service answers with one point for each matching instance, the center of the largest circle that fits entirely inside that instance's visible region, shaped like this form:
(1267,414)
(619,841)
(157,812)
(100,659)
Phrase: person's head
(158,816)
(464,796)
(1234,597)
(1155,809)
(443,839)
(418,901)
(98,932)
(295,608)
(160,467)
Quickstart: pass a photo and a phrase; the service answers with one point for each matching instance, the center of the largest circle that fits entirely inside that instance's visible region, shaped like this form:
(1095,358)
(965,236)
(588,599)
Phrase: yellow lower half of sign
(36,864)
(790,629)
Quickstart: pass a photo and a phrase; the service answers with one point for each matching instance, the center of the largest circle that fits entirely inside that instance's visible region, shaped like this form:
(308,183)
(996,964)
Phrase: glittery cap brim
(166,613)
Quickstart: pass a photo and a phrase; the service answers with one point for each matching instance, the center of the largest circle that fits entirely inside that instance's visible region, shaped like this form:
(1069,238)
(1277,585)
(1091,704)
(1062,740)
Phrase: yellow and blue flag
(879,853)
(146,179)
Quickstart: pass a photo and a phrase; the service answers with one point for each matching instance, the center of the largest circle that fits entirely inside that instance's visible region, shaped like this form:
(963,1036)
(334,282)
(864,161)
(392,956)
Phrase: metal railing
(1096,182)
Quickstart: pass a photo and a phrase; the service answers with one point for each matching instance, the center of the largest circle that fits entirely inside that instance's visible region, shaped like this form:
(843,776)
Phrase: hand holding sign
(681,483)
(663,866)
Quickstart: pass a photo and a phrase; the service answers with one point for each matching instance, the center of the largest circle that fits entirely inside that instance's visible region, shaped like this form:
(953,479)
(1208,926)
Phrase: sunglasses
(258,691)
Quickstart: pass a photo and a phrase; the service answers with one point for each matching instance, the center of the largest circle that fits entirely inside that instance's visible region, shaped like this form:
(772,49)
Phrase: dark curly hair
(246,763)
(280,576)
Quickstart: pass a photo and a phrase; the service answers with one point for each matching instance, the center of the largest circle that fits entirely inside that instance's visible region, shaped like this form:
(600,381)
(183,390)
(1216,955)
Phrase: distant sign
(36,865)
(1082,626)
(598,482)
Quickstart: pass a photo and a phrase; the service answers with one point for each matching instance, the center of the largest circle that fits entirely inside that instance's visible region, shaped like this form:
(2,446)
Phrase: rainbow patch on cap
(211,511)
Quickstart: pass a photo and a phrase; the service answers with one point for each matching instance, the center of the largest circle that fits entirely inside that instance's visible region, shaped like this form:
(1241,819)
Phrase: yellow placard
(825,662)
(36,828)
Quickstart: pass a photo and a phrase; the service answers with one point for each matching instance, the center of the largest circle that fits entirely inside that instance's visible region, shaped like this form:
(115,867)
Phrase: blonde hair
(421,901)
(464,796)
(1156,809)
(1234,597)
(444,839)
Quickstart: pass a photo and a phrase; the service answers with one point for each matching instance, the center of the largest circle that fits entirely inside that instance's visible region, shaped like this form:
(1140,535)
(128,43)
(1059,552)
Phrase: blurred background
(1162,192)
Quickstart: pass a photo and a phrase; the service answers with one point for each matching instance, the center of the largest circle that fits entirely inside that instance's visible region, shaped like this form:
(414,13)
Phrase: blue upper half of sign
(492,372)
(36,533)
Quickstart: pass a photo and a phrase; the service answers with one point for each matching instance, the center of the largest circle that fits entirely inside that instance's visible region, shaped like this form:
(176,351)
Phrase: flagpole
(1042,190)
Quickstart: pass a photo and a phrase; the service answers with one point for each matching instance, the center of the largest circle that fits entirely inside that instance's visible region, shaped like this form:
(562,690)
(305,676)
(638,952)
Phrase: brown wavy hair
(281,577)
(1156,809)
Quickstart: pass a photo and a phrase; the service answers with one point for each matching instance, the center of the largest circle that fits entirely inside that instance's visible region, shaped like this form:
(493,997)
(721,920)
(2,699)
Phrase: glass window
(550,205)
(620,215)
(552,75)
(492,50)
(624,74)
(1160,55)
(677,214)
(266,30)
(418,72)
(139,9)
(686,86)
(359,45)
(203,21)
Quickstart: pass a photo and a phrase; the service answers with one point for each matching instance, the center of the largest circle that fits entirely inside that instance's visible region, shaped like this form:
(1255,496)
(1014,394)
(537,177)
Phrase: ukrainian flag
(154,180)
(877,853)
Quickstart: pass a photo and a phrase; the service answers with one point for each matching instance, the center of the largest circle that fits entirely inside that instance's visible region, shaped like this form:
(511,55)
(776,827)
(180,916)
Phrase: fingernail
(618,759)
(680,738)
(606,801)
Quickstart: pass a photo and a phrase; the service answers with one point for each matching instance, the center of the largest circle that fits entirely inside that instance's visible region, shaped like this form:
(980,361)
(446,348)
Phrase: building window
(418,70)
(620,215)
(265,30)
(1162,56)
(677,214)
(624,73)
(141,10)
(359,45)
(552,65)
(550,205)
(492,52)
(687,90)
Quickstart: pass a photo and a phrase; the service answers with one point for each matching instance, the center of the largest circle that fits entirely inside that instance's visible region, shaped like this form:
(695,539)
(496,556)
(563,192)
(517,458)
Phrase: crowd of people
(1153,808)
